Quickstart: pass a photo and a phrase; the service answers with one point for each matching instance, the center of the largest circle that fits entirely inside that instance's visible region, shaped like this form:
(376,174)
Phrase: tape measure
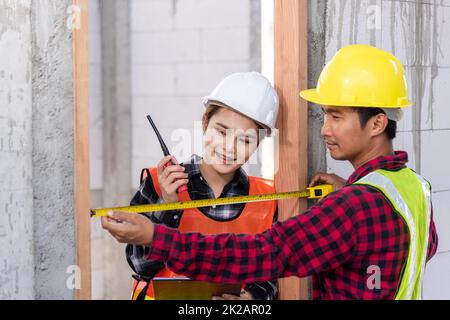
(310,193)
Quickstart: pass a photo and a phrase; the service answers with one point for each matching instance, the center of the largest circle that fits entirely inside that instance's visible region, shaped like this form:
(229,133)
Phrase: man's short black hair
(366,113)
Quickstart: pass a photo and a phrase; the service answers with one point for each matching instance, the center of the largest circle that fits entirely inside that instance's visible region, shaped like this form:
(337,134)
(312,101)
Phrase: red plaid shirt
(335,241)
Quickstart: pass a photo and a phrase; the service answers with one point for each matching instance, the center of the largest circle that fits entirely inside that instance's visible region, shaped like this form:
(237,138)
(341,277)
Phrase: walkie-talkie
(165,151)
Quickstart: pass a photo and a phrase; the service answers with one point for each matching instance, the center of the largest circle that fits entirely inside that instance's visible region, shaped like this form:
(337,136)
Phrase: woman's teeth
(225,158)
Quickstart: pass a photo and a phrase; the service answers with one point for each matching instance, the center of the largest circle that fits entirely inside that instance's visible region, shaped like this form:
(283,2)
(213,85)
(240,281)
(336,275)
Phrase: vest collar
(395,162)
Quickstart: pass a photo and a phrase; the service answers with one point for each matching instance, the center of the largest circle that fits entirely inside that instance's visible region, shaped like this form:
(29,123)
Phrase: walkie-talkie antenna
(160,139)
(166,152)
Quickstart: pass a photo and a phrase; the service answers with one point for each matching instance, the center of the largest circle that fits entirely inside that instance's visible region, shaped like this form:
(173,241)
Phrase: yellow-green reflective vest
(410,195)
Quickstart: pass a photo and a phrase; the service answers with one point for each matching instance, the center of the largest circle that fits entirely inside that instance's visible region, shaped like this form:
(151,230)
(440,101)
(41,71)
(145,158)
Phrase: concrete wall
(110,105)
(316,60)
(36,149)
(16,192)
(417,32)
(117,188)
(96,143)
(53,149)
(95,97)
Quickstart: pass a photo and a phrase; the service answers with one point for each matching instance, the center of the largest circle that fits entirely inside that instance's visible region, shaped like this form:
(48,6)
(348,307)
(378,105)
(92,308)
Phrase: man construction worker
(370,239)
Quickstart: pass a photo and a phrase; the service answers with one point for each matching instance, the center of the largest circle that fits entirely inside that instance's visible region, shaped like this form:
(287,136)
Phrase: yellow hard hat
(361,76)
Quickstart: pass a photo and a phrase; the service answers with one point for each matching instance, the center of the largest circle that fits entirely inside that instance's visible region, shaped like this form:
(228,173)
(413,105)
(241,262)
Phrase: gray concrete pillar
(37,220)
(316,61)
(115,20)
(53,149)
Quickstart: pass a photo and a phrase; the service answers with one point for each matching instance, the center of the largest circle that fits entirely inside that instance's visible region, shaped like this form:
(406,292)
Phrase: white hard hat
(248,93)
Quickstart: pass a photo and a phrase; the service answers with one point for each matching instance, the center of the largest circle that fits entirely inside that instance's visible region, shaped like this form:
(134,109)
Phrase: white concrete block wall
(180,51)
(195,14)
(95,97)
(96,146)
(425,130)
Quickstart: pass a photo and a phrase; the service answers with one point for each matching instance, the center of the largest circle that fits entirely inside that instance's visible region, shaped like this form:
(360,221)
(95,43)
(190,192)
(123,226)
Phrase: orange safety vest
(255,218)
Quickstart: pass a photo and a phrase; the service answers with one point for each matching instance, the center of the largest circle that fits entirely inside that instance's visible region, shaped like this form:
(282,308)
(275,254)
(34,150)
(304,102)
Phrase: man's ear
(379,124)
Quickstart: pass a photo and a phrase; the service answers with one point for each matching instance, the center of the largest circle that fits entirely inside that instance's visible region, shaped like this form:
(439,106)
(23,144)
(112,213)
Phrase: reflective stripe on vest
(410,195)
(256,217)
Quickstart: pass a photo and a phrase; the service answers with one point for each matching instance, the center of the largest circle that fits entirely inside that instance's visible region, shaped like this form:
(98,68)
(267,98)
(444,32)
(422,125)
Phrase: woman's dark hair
(213,109)
(210,111)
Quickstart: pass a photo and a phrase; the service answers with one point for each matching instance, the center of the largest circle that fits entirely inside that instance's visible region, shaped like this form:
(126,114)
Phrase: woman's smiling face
(229,140)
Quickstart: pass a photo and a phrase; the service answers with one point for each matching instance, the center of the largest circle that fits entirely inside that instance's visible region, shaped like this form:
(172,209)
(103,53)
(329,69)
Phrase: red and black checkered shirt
(337,241)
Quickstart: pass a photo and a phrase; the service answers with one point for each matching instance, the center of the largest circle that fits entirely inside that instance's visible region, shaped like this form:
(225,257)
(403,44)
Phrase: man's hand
(245,295)
(327,178)
(129,228)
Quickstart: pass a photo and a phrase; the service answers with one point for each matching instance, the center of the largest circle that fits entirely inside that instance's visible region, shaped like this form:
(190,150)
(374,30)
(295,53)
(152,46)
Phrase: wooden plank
(291,71)
(81,136)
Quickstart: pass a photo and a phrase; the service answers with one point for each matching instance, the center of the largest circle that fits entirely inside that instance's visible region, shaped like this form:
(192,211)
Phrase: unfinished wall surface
(37,227)
(16,193)
(417,32)
(53,149)
(316,61)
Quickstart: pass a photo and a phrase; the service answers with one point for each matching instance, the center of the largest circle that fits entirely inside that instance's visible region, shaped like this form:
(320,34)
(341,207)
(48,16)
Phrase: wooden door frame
(291,76)
(81,141)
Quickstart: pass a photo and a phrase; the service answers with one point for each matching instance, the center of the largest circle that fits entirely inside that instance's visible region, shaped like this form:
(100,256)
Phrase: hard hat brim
(313,96)
(208,101)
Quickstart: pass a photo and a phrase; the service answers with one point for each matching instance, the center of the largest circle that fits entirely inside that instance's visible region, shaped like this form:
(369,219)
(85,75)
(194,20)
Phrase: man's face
(343,134)
(229,140)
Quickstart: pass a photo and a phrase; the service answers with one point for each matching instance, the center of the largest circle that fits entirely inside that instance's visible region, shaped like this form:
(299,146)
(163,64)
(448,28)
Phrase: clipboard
(181,288)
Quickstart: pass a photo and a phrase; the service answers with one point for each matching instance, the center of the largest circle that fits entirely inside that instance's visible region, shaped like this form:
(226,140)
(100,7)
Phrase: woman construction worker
(370,239)
(238,113)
